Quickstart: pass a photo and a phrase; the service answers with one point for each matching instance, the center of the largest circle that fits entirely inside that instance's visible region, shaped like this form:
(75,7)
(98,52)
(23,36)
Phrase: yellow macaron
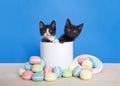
(86,74)
(50,76)
(87,64)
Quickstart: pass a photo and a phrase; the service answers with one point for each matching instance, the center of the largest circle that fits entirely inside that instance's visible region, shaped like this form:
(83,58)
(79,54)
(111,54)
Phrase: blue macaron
(27,66)
(42,62)
(76,71)
(58,71)
(94,62)
(38,77)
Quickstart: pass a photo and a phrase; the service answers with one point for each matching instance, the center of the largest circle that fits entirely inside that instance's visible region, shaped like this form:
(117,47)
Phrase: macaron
(48,69)
(72,66)
(37,68)
(67,73)
(94,62)
(21,71)
(27,66)
(87,64)
(38,77)
(58,71)
(42,62)
(82,58)
(76,71)
(50,77)
(34,60)
(86,74)
(27,75)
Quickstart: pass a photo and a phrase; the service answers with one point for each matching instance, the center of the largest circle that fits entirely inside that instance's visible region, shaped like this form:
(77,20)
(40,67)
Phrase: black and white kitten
(48,32)
(70,32)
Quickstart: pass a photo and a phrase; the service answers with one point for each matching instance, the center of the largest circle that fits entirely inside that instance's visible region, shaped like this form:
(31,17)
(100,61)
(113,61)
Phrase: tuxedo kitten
(70,32)
(48,31)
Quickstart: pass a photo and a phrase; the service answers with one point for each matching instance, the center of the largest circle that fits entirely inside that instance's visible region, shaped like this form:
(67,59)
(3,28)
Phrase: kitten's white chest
(53,39)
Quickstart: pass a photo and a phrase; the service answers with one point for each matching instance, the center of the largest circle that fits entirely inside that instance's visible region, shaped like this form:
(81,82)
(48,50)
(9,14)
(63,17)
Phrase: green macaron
(67,73)
(37,68)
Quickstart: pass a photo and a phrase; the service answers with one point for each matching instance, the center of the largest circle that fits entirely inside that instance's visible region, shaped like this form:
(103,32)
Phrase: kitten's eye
(75,31)
(50,31)
(68,29)
(44,31)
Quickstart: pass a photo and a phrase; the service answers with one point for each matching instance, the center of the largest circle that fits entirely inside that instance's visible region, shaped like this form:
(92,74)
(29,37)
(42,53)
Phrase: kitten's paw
(56,41)
(61,41)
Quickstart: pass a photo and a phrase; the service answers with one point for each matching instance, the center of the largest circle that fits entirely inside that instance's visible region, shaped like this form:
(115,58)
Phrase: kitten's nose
(47,34)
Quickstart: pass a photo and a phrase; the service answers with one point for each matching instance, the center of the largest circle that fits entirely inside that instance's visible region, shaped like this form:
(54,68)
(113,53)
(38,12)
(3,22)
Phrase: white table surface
(110,76)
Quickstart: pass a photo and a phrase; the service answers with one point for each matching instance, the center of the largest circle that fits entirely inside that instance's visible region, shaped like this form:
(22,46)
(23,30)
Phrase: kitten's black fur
(51,30)
(70,32)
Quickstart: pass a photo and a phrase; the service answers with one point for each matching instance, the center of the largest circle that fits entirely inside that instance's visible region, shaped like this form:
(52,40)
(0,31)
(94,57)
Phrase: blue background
(19,27)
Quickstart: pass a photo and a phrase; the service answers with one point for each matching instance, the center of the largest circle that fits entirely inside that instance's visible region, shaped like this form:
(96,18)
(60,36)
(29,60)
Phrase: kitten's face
(47,30)
(72,30)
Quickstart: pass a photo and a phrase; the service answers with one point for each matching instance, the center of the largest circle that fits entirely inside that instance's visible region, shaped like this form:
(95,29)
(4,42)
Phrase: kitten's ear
(68,23)
(41,24)
(53,24)
(80,26)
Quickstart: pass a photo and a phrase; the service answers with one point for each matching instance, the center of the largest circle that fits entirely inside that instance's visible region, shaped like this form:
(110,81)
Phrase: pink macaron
(82,58)
(34,60)
(48,69)
(27,75)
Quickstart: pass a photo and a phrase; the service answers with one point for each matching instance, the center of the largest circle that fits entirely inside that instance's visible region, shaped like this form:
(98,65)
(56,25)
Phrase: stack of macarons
(33,70)
(80,72)
(36,70)
(83,67)
(91,62)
